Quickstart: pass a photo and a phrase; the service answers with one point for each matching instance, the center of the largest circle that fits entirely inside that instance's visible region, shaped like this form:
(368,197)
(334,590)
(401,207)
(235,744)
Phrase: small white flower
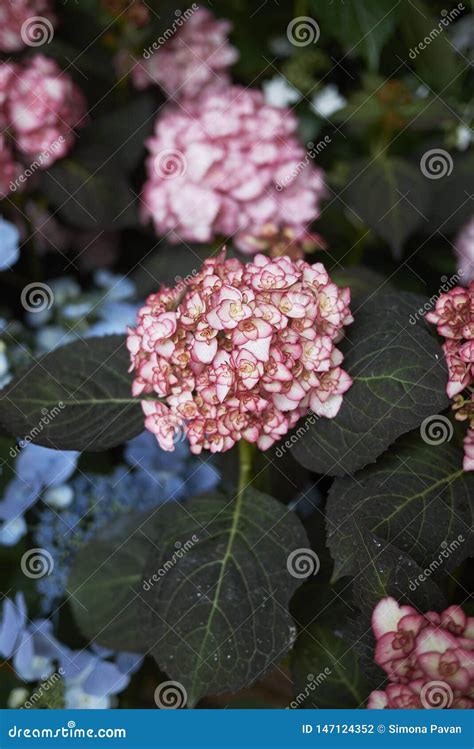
(279,93)
(12,530)
(59,497)
(464,137)
(327,101)
(17,698)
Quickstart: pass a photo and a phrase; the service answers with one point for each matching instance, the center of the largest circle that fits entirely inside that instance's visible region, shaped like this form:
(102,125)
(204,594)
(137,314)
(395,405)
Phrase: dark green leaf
(216,617)
(436,62)
(326,671)
(362,28)
(104,579)
(90,191)
(75,398)
(121,134)
(399,379)
(416,497)
(391,196)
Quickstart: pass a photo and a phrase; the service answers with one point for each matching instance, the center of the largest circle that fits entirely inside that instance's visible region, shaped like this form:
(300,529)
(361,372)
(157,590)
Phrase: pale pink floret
(196,57)
(213,171)
(227,360)
(16,16)
(454,317)
(429,658)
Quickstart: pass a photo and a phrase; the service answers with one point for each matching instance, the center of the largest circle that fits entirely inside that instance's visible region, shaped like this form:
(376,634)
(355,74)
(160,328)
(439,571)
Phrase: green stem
(246,455)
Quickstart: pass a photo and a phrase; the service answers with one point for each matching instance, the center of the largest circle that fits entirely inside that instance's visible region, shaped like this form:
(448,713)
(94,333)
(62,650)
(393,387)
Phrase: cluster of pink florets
(193,59)
(429,658)
(222,162)
(39,107)
(454,316)
(240,352)
(21,21)
(229,165)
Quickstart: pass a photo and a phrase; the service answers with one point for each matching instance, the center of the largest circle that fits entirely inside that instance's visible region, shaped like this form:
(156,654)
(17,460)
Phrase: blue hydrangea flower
(150,478)
(36,469)
(91,675)
(9,244)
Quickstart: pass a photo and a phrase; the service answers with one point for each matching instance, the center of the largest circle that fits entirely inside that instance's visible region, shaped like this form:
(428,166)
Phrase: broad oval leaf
(399,379)
(360,28)
(326,671)
(391,196)
(77,397)
(216,592)
(416,497)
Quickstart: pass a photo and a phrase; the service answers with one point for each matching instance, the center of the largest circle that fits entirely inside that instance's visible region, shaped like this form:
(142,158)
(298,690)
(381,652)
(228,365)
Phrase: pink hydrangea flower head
(194,58)
(214,167)
(464,249)
(240,352)
(43,108)
(429,658)
(454,317)
(25,23)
